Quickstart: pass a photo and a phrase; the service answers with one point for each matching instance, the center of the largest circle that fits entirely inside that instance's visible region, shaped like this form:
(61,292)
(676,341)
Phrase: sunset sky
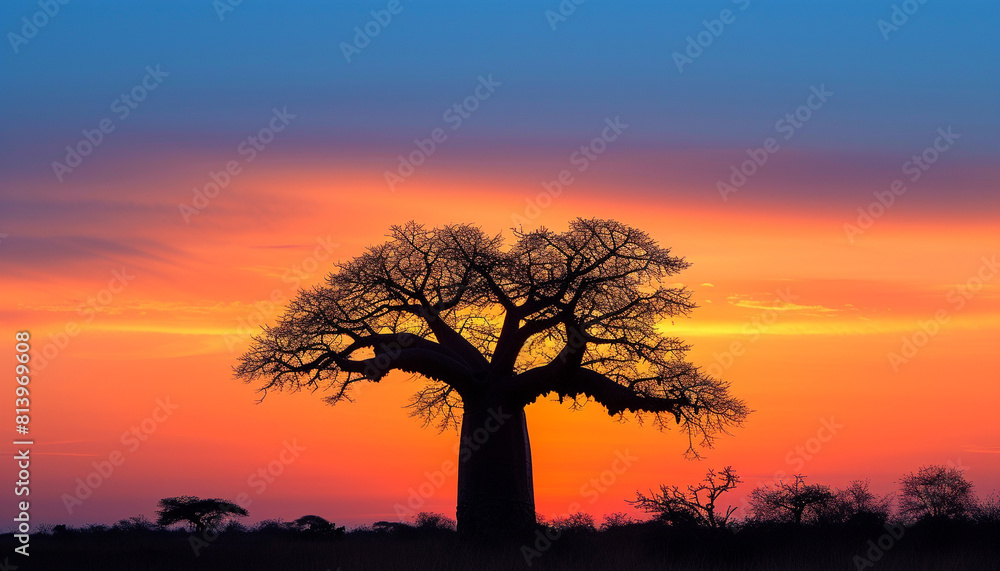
(820,305)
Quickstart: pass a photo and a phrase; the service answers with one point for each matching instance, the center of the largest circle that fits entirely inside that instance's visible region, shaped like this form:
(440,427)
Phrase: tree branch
(614,396)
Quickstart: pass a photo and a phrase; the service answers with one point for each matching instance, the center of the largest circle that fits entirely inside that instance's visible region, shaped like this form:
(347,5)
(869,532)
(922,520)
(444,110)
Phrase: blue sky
(938,68)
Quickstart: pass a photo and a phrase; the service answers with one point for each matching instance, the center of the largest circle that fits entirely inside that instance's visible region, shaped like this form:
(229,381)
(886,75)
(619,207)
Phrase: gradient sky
(816,353)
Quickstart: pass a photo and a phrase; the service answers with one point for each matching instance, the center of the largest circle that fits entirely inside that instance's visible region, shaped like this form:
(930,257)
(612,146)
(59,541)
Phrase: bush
(577,522)
(857,505)
(435,521)
(987,511)
(316,526)
(616,520)
(936,492)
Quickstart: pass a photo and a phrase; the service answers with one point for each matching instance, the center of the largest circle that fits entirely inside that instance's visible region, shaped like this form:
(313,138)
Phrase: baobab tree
(575,314)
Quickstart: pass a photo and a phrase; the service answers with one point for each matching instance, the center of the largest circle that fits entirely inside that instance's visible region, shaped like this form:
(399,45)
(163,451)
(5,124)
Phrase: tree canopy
(578,314)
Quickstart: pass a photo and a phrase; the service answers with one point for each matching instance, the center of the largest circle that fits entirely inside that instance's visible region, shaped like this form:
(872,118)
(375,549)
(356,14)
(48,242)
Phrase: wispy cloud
(978,449)
(741,300)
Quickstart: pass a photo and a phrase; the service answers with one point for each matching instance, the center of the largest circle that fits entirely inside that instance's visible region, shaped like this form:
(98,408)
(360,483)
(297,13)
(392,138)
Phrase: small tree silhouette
(316,526)
(200,514)
(856,504)
(694,506)
(795,502)
(936,492)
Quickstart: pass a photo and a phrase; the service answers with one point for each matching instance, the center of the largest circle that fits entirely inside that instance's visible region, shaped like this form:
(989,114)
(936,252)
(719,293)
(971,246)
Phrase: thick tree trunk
(495,490)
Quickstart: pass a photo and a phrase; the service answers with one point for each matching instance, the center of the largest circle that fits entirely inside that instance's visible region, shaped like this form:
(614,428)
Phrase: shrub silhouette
(857,504)
(434,521)
(695,506)
(617,520)
(936,492)
(316,526)
(132,524)
(987,510)
(578,522)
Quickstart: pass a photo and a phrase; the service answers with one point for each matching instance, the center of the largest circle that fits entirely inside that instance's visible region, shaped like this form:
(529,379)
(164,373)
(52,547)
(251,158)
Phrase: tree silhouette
(200,514)
(936,491)
(694,506)
(795,502)
(491,329)
(857,504)
(316,526)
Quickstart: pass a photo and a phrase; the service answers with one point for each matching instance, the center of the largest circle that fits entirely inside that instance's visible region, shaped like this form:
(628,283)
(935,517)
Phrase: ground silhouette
(852,528)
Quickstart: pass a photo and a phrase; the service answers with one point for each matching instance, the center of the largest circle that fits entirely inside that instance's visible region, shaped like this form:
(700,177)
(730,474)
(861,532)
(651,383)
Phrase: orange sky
(173,332)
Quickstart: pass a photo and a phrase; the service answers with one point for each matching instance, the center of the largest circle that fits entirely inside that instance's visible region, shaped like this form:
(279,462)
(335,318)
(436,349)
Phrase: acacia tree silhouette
(492,329)
(202,514)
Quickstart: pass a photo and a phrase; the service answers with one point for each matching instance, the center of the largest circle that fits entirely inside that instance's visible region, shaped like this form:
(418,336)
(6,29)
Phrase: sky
(172,172)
